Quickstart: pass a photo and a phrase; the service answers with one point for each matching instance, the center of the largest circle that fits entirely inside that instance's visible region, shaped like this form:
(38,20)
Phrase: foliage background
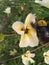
(9,39)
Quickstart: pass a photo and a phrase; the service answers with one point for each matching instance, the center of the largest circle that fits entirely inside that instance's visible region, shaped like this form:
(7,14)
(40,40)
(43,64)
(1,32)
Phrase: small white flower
(43,3)
(2,64)
(27,57)
(8,10)
(12,52)
(46,57)
(27,32)
(22,8)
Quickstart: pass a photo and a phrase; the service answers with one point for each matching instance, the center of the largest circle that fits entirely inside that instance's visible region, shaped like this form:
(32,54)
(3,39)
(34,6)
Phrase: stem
(44,45)
(10,34)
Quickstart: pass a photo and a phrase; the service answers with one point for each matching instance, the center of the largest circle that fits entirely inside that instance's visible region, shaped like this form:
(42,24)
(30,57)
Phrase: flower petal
(38,1)
(46,60)
(46,53)
(33,39)
(43,3)
(46,57)
(24,41)
(8,10)
(30,54)
(26,58)
(18,27)
(30,18)
(25,62)
(31,60)
(29,40)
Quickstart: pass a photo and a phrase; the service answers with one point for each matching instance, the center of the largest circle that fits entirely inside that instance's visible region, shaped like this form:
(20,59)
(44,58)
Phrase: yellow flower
(27,32)
(27,57)
(12,52)
(43,2)
(46,57)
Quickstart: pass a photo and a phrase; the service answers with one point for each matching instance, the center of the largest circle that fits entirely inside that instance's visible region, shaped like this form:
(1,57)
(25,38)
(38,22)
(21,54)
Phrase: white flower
(27,57)
(8,10)
(2,64)
(43,2)
(12,52)
(46,57)
(27,32)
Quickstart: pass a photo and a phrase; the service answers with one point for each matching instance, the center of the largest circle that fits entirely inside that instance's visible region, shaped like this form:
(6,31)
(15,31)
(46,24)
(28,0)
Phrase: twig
(10,34)
(44,45)
(10,59)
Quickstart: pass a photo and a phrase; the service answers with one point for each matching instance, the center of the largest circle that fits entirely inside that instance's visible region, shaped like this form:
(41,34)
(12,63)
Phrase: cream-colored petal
(24,41)
(46,53)
(31,60)
(25,62)
(33,39)
(34,42)
(46,60)
(30,39)
(18,27)
(30,18)
(38,1)
(43,3)
(46,57)
(30,54)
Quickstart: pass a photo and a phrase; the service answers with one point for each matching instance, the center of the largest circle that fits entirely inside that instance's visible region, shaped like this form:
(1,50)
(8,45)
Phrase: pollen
(42,23)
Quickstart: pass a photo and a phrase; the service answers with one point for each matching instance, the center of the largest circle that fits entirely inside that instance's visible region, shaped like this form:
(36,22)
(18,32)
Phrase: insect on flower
(27,57)
(43,29)
(46,57)
(27,32)
(43,3)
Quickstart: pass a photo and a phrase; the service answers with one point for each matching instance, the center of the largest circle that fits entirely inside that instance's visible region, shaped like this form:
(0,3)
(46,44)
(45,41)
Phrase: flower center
(25,55)
(22,29)
(26,31)
(46,56)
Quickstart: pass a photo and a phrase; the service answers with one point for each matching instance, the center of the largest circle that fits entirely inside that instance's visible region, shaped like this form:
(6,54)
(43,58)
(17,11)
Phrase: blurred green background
(9,40)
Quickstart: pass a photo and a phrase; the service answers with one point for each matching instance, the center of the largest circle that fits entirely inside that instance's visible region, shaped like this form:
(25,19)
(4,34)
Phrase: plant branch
(44,45)
(10,34)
